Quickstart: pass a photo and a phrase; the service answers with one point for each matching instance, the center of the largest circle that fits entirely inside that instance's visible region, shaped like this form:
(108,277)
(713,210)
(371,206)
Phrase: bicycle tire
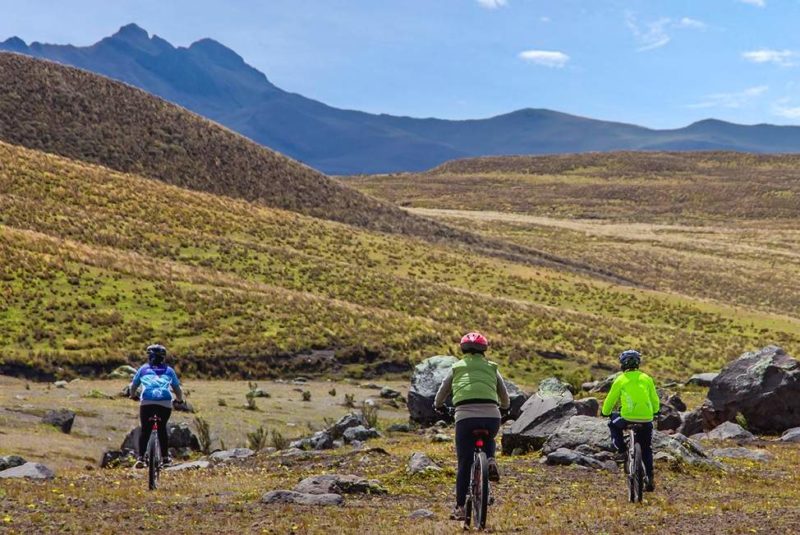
(480,494)
(638,473)
(153,461)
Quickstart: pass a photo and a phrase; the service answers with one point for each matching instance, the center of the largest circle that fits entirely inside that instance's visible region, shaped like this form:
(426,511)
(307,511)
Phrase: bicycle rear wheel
(638,473)
(480,490)
(153,461)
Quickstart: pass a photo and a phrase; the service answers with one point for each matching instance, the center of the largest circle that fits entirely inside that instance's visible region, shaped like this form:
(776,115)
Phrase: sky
(657,63)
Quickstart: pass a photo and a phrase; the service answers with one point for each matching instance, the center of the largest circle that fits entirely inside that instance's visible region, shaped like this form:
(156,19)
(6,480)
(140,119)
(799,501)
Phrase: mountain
(215,82)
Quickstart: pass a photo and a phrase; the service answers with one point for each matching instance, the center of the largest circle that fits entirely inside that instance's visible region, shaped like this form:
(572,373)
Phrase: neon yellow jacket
(636,393)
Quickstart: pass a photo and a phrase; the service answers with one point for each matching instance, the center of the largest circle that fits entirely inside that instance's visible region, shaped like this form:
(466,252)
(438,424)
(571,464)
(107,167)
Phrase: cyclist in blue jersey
(156,379)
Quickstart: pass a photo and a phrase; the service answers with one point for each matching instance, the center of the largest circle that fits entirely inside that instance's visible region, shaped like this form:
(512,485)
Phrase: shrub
(370,413)
(203,434)
(251,402)
(332,392)
(306,395)
(257,440)
(349,400)
(278,441)
(222,403)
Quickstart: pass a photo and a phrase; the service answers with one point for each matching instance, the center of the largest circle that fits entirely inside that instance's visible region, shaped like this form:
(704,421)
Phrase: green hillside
(94,264)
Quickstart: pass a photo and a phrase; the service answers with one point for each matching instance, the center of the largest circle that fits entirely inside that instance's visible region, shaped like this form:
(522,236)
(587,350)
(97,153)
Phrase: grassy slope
(95,264)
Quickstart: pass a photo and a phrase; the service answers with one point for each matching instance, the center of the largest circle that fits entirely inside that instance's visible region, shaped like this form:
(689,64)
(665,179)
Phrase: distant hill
(214,81)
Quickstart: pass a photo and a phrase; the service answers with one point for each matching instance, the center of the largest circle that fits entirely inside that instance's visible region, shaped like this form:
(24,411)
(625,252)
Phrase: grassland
(95,264)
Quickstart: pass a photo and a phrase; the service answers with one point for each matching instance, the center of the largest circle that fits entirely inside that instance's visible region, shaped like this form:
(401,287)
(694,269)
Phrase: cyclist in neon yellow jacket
(636,394)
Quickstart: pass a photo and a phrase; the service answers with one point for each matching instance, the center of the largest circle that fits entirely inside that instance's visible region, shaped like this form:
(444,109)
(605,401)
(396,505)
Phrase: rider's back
(637,396)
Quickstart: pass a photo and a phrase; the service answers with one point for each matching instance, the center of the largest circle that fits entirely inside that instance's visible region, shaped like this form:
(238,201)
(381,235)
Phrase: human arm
(502,392)
(444,391)
(134,386)
(176,386)
(612,398)
(654,401)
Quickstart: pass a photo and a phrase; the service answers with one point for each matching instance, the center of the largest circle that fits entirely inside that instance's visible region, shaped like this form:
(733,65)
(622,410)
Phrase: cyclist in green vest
(478,391)
(636,393)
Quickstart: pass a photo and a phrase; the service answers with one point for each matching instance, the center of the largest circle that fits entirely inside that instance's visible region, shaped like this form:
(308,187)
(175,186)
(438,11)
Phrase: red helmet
(474,342)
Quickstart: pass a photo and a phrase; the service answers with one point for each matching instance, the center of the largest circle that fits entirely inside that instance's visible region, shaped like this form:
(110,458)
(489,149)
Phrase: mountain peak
(216,51)
(14,44)
(132,32)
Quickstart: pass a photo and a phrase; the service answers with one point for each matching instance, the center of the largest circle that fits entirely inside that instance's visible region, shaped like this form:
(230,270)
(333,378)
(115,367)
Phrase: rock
(258,393)
(116,458)
(123,372)
(419,462)
(179,436)
(359,433)
(235,454)
(425,381)
(663,456)
(370,386)
(702,379)
(604,385)
(292,497)
(399,428)
(61,418)
(60,384)
(542,414)
(339,484)
(28,471)
(668,418)
(741,453)
(587,387)
(763,386)
(354,419)
(516,397)
(10,461)
(564,456)
(730,431)
(675,401)
(196,465)
(421,514)
(441,437)
(692,424)
(389,393)
(791,435)
(321,440)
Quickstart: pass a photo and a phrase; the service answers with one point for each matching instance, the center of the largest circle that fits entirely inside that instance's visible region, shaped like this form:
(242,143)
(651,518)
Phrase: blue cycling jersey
(155,382)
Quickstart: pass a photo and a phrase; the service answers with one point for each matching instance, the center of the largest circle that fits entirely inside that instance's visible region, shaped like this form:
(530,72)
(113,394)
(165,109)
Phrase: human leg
(616,426)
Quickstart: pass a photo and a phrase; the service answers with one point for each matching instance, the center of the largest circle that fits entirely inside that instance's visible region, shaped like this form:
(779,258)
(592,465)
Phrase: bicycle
(478,499)
(634,465)
(153,456)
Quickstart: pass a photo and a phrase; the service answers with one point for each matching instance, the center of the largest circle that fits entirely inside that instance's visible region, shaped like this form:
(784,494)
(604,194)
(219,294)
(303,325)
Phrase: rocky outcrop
(298,498)
(339,484)
(60,418)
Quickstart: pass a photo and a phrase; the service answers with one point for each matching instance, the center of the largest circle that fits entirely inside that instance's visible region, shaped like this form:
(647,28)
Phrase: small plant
(278,441)
(203,434)
(741,420)
(306,395)
(350,400)
(251,402)
(332,392)
(257,440)
(222,403)
(370,413)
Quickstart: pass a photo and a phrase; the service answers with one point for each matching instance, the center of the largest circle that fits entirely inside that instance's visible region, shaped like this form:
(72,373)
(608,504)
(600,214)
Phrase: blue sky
(659,63)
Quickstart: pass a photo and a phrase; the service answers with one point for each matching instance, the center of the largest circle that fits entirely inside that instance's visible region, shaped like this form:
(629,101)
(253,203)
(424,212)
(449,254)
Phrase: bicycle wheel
(153,461)
(480,490)
(638,473)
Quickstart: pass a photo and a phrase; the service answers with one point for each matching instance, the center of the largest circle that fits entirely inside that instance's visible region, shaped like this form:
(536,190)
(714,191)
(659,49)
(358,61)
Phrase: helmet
(630,359)
(156,354)
(474,342)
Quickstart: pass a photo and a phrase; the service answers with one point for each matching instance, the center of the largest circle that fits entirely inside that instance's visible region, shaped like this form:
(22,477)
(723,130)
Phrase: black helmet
(156,354)
(630,359)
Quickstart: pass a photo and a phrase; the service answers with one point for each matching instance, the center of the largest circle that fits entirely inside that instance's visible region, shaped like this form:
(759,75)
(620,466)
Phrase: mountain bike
(478,499)
(634,465)
(153,455)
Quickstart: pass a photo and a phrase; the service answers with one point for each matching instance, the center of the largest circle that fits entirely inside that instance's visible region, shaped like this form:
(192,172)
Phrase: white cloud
(784,58)
(546,58)
(493,4)
(783,109)
(731,100)
(652,35)
(757,3)
(690,24)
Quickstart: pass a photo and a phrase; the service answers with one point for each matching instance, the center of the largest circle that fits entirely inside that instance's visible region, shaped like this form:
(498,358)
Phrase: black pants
(644,436)
(465,447)
(145,413)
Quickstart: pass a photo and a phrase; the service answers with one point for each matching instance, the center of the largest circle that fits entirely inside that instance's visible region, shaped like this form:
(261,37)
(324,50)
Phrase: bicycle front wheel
(480,490)
(153,461)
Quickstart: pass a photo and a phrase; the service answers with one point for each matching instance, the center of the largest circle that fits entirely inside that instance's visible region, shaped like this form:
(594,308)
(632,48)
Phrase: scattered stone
(419,462)
(564,456)
(360,433)
(321,440)
(123,372)
(354,419)
(741,453)
(235,454)
(730,431)
(339,484)
(258,393)
(604,385)
(693,423)
(517,399)
(422,514)
(702,379)
(389,393)
(588,406)
(61,418)
(196,465)
(668,418)
(28,471)
(116,458)
(292,497)
(60,384)
(791,435)
(588,386)
(441,437)
(10,461)
(371,386)
(399,428)
(663,456)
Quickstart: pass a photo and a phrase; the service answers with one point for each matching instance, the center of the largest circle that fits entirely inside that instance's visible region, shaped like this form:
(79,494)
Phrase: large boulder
(359,433)
(764,386)
(28,471)
(791,435)
(339,484)
(60,418)
(299,498)
(517,398)
(542,414)
(321,440)
(179,435)
(730,431)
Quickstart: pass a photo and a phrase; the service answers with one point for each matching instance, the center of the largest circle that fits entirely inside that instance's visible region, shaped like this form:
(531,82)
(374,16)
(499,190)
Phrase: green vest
(474,378)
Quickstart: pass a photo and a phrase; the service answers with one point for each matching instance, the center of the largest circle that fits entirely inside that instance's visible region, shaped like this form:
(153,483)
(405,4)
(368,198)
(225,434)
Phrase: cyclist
(638,399)
(477,389)
(156,379)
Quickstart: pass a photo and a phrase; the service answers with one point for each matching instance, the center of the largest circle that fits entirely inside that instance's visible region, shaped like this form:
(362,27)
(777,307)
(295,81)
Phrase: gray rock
(604,385)
(61,418)
(339,484)
(419,462)
(196,465)
(321,440)
(517,399)
(763,386)
(60,384)
(428,375)
(693,423)
(668,418)
(663,456)
(389,393)
(741,453)
(564,456)
(117,458)
(123,372)
(354,419)
(702,379)
(10,461)
(235,454)
(588,386)
(292,497)
(441,437)
(399,428)
(791,435)
(588,406)
(421,514)
(730,431)
(359,433)
(179,436)
(28,471)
